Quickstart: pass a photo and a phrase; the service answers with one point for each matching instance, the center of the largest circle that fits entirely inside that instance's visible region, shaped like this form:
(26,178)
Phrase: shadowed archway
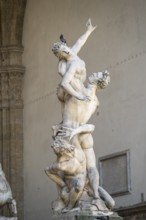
(11,103)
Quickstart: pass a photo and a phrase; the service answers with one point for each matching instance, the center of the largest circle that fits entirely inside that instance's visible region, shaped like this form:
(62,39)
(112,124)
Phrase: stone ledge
(132,210)
(86,215)
(12,68)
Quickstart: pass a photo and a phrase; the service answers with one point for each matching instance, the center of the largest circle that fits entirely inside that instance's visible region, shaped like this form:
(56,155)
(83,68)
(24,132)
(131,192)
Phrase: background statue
(6,195)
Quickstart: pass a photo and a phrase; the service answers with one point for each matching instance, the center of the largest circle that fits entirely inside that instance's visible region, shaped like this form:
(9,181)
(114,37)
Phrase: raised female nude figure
(71,67)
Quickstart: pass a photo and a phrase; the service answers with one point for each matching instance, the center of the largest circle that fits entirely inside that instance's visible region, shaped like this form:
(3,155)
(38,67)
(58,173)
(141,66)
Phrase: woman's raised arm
(82,40)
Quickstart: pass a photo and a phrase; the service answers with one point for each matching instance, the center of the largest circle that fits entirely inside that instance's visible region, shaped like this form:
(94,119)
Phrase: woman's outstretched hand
(89,25)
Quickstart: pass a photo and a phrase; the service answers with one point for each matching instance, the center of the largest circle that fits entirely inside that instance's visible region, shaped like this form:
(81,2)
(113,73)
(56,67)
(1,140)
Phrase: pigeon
(62,39)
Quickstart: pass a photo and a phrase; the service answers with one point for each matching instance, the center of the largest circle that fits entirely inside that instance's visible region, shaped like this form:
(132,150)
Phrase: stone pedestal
(85,216)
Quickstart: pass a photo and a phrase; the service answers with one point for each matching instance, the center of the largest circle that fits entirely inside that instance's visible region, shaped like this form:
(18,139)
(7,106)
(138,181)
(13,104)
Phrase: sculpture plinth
(74,171)
(86,216)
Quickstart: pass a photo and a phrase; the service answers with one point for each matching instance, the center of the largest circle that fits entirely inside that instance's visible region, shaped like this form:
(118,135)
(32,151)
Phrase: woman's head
(101,79)
(61,50)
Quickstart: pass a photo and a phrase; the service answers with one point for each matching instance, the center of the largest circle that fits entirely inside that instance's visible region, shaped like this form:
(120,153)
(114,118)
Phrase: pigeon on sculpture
(63,39)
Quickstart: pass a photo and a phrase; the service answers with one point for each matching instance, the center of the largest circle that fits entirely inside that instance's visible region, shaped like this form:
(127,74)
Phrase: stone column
(11,103)
(11,117)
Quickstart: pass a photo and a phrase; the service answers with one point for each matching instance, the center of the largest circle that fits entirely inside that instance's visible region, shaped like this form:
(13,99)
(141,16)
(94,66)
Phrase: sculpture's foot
(100,205)
(58,205)
(67,209)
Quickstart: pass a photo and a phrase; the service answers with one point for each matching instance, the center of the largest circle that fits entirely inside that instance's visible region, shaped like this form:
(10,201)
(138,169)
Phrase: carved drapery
(11,103)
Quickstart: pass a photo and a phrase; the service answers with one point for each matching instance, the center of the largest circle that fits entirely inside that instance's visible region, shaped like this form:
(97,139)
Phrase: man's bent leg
(75,193)
(92,172)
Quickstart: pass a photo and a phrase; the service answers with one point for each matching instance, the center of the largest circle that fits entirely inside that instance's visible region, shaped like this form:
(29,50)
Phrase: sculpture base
(86,215)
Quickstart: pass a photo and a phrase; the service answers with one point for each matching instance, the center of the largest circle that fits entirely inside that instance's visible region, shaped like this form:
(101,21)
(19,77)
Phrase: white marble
(6,197)
(74,170)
